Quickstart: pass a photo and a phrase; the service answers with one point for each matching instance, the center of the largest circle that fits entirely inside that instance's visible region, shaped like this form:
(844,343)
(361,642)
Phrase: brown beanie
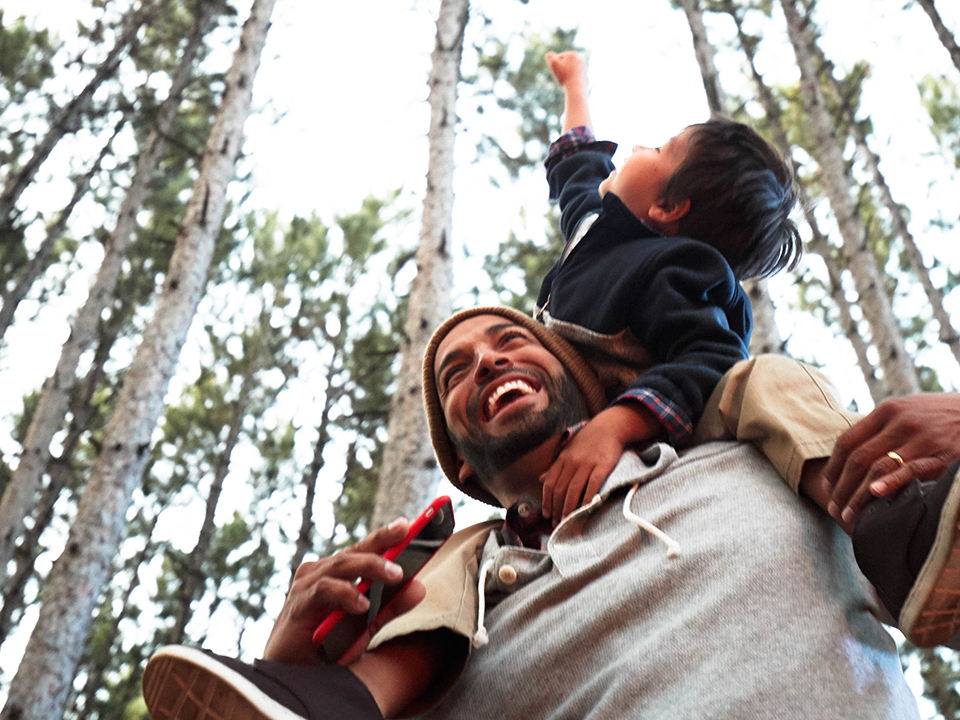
(582,374)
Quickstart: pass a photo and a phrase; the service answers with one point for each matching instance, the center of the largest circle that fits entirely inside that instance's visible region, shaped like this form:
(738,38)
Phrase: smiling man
(695,585)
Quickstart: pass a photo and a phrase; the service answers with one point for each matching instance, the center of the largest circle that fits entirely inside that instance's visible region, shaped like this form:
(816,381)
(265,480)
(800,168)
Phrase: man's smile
(503,391)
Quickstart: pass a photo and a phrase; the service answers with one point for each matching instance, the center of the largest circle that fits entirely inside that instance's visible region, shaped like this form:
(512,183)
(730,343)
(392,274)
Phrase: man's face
(502,394)
(641,178)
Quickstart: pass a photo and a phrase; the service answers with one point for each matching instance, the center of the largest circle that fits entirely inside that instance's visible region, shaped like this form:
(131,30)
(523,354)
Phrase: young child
(647,290)
(647,286)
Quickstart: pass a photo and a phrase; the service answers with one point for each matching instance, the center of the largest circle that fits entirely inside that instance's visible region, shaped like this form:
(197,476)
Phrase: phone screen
(419,548)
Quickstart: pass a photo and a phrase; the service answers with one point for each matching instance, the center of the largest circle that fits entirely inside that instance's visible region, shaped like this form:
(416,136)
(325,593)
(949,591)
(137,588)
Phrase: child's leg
(788,409)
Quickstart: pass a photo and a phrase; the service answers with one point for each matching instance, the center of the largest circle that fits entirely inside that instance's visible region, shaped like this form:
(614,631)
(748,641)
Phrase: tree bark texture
(19,497)
(410,475)
(899,373)
(716,97)
(39,689)
(946,37)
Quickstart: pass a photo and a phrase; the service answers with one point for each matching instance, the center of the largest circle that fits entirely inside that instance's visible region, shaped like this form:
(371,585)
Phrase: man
(695,586)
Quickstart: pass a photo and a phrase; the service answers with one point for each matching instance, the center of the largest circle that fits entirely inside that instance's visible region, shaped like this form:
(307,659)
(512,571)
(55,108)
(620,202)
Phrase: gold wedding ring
(896,457)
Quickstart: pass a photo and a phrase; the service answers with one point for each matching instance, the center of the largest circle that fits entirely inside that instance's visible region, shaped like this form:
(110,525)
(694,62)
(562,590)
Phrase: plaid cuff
(575,140)
(675,421)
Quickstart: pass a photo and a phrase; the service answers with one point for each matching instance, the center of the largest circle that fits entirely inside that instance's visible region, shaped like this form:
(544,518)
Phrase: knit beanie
(581,373)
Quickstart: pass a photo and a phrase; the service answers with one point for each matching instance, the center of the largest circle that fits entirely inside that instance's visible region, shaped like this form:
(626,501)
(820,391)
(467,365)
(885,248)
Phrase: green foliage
(26,60)
(527,91)
(941,98)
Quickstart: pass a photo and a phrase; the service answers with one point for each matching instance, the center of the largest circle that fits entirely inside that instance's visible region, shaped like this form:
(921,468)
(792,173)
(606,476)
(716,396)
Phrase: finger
(892,482)
(381,540)
(549,480)
(860,461)
(853,438)
(574,495)
(408,598)
(597,478)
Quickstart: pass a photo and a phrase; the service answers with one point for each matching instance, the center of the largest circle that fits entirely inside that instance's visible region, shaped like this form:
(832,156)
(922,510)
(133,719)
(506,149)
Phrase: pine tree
(20,492)
(409,474)
(40,687)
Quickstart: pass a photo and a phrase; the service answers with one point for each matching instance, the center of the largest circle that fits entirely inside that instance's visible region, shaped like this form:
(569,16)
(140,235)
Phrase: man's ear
(663,214)
(464,471)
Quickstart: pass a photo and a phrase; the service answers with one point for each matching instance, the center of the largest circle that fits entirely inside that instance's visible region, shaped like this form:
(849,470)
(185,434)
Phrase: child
(647,289)
(661,316)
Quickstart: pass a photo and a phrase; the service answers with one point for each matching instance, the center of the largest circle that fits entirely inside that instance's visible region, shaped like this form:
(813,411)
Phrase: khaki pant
(787,409)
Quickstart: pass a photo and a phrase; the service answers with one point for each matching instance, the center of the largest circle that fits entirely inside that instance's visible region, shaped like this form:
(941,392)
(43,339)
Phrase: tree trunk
(66,119)
(97,668)
(309,479)
(898,369)
(29,273)
(766,336)
(716,97)
(947,333)
(818,243)
(946,37)
(192,576)
(27,552)
(410,475)
(18,498)
(39,689)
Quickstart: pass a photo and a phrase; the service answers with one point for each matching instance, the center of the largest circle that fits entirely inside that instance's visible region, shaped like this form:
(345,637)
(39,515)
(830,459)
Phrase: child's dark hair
(741,194)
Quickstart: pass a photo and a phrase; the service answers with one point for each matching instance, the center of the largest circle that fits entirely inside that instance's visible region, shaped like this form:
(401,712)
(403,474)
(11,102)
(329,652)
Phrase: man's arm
(395,674)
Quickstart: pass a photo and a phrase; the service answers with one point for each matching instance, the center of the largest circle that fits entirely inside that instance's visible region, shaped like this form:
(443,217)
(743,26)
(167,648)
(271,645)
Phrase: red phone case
(390,554)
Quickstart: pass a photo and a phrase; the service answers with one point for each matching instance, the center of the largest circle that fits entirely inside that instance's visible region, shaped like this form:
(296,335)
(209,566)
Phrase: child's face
(640,180)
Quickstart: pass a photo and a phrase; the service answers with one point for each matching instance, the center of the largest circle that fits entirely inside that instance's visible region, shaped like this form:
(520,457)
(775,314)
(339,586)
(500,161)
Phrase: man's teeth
(519,385)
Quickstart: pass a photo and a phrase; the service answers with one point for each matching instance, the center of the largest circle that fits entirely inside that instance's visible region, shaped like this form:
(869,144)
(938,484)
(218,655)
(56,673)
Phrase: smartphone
(339,631)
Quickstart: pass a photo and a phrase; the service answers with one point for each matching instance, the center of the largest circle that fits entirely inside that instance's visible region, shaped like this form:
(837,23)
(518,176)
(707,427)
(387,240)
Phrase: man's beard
(488,456)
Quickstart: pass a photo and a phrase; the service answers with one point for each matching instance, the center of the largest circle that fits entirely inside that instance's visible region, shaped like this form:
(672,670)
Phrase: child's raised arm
(570,70)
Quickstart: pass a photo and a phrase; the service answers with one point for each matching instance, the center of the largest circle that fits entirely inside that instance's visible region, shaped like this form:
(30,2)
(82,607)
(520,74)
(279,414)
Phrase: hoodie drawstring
(673,547)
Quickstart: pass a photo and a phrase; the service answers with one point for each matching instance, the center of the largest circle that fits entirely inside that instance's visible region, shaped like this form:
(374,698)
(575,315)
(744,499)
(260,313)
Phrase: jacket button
(507,575)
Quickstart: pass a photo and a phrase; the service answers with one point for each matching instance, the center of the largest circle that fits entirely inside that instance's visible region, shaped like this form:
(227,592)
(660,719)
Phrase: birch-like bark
(716,97)
(39,689)
(21,491)
(29,273)
(766,336)
(66,120)
(947,333)
(409,476)
(946,37)
(898,369)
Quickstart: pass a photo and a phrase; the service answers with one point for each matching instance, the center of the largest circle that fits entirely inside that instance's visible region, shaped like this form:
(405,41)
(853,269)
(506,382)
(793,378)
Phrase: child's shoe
(908,546)
(184,683)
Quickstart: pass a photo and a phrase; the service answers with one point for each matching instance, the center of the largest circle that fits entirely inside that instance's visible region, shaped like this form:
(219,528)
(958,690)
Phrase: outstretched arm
(570,70)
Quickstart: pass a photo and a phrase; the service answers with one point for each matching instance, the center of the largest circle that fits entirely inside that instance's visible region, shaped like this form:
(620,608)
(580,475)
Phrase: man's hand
(568,68)
(323,586)
(580,469)
(924,430)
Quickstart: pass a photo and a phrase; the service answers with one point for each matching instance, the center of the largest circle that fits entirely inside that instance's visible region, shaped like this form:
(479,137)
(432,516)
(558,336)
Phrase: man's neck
(522,478)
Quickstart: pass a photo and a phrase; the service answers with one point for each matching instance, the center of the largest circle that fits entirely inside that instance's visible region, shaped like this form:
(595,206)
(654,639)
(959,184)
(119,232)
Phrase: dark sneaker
(908,546)
(182,683)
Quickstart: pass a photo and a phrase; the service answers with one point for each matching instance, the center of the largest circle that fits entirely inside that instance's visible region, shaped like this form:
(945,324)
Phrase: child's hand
(568,68)
(579,471)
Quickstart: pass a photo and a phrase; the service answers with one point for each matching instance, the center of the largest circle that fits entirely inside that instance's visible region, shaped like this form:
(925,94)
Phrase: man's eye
(510,335)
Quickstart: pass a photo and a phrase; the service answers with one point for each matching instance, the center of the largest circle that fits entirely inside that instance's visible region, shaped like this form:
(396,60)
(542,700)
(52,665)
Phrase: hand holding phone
(339,631)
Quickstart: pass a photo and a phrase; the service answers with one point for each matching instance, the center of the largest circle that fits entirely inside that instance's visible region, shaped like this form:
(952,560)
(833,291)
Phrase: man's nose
(488,363)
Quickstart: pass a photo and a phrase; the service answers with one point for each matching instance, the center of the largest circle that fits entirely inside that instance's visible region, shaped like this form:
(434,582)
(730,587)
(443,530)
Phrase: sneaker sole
(931,612)
(181,683)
